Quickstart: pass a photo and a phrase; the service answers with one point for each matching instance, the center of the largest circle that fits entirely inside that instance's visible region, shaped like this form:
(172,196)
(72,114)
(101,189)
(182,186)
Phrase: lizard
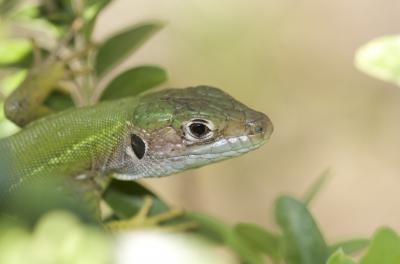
(152,135)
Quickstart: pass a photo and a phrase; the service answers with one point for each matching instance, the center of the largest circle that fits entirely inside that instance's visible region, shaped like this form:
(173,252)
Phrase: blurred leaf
(30,202)
(40,24)
(27,11)
(7,128)
(134,81)
(7,6)
(57,12)
(24,62)
(209,228)
(59,101)
(350,246)
(126,199)
(59,237)
(92,10)
(11,82)
(121,45)
(304,243)
(380,58)
(260,239)
(340,258)
(227,234)
(316,187)
(384,248)
(7,85)
(14,52)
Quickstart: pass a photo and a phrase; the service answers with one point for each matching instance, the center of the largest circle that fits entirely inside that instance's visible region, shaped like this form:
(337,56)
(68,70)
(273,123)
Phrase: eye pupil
(198,129)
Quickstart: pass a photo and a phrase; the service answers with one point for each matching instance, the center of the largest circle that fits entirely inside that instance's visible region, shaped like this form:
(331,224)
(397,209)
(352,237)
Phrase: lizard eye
(199,129)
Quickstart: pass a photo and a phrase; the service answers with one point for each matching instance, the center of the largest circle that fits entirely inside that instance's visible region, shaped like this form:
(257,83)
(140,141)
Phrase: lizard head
(179,129)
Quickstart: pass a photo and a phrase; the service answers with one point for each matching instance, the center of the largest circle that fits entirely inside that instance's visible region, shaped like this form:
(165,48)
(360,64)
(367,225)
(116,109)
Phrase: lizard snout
(258,124)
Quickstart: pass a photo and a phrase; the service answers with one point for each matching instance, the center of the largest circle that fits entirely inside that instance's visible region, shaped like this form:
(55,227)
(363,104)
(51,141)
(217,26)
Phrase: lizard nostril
(258,124)
(259,129)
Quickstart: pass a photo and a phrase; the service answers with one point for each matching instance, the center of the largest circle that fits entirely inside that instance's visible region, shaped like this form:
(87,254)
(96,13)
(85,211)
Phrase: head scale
(179,129)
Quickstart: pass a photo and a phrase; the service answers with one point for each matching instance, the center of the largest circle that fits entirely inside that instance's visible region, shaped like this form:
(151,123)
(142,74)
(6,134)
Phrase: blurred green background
(293,60)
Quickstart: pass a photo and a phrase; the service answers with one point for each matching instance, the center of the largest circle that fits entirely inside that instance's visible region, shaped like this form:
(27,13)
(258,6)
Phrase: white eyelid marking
(130,152)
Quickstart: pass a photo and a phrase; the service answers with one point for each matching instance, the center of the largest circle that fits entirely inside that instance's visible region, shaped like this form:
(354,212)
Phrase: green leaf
(92,10)
(57,12)
(134,81)
(226,234)
(340,258)
(12,81)
(303,241)
(14,52)
(384,248)
(260,240)
(380,58)
(126,199)
(316,187)
(210,227)
(59,101)
(29,202)
(350,246)
(121,45)
(7,6)
(25,12)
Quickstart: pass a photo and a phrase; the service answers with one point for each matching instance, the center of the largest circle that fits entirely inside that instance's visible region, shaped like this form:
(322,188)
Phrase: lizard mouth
(224,148)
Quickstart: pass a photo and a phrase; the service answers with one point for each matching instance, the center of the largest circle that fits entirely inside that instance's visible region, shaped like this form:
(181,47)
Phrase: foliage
(58,237)
(384,249)
(380,58)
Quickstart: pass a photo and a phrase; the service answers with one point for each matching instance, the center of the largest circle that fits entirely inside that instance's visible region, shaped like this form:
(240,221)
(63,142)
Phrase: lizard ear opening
(138,146)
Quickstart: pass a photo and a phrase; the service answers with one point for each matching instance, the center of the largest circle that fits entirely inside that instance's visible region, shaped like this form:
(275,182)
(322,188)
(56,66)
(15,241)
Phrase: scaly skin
(154,135)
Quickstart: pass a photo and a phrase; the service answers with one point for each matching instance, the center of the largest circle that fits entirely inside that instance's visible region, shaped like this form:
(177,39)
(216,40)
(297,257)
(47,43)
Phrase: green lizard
(149,136)
(153,135)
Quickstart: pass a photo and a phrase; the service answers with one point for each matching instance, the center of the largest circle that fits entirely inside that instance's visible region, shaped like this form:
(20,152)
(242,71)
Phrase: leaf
(350,246)
(226,234)
(7,6)
(126,199)
(210,227)
(340,258)
(304,243)
(59,101)
(30,201)
(57,12)
(260,240)
(380,58)
(134,81)
(121,45)
(12,81)
(384,248)
(316,187)
(92,10)
(26,12)
(15,52)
